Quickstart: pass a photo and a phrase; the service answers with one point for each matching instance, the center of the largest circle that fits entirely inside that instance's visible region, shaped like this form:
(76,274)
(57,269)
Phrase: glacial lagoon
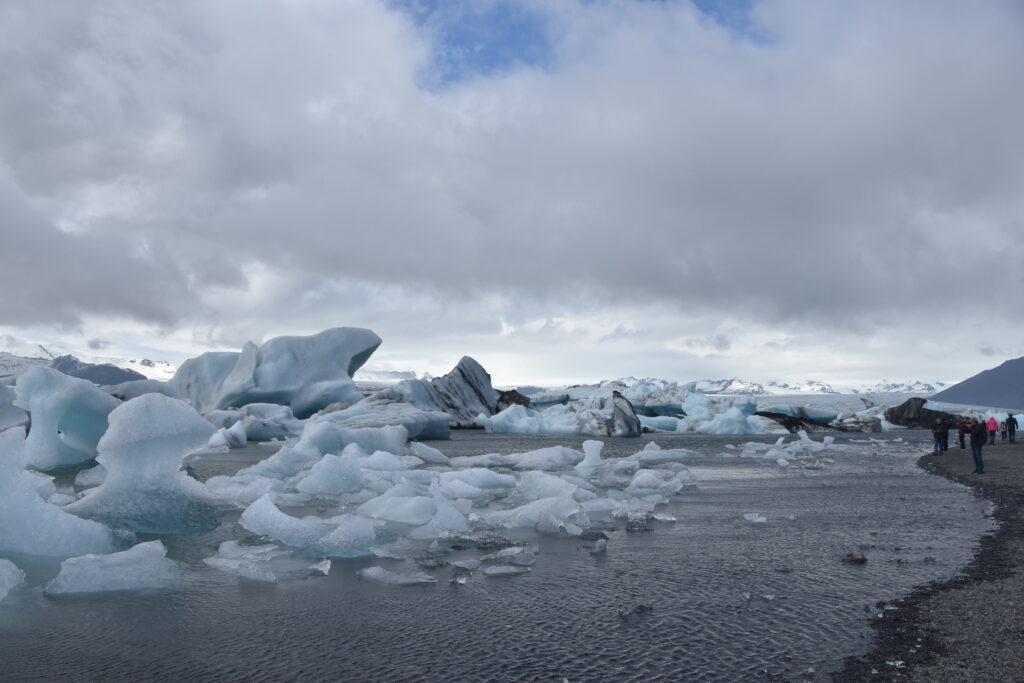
(713,595)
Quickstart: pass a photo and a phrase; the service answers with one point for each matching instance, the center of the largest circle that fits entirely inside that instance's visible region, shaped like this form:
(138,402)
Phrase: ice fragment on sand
(755,517)
(143,566)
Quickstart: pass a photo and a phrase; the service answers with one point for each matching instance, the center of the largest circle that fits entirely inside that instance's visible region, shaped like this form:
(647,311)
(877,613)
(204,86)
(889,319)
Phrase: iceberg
(462,394)
(68,417)
(344,536)
(261,421)
(30,525)
(126,391)
(601,416)
(140,567)
(10,576)
(145,489)
(419,424)
(304,373)
(10,414)
(251,562)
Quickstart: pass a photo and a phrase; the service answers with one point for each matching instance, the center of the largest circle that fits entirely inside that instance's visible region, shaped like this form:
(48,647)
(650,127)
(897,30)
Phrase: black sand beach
(971,627)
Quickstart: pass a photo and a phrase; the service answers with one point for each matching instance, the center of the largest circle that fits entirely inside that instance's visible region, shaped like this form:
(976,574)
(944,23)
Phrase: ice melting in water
(10,576)
(381,575)
(30,525)
(145,489)
(143,566)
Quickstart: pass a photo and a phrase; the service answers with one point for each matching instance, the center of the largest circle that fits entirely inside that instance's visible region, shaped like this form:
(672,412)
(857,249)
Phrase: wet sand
(970,628)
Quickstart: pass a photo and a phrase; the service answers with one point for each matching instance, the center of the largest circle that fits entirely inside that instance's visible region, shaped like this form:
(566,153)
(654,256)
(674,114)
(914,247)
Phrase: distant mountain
(728,386)
(916,387)
(383,376)
(151,369)
(11,364)
(104,373)
(1000,387)
(811,386)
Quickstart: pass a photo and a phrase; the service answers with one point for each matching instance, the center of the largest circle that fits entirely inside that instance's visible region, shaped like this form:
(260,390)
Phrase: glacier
(304,373)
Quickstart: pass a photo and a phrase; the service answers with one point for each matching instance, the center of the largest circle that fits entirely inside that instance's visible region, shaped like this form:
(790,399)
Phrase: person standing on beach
(978,438)
(993,426)
(1002,431)
(1011,427)
(961,432)
(937,431)
(945,435)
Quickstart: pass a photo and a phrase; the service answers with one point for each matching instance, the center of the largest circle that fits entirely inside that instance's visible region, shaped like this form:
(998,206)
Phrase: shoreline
(969,627)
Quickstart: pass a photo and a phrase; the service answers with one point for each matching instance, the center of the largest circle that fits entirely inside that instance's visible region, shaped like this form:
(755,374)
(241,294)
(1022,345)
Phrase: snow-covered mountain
(810,386)
(999,387)
(915,387)
(383,376)
(151,369)
(11,364)
(728,386)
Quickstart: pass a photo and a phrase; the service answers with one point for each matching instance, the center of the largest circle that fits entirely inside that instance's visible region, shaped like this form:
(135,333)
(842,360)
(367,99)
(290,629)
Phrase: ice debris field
(355,461)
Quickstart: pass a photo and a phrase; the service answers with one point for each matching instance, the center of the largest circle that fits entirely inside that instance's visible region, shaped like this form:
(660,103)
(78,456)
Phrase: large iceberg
(30,525)
(303,373)
(463,393)
(144,566)
(68,417)
(419,424)
(145,489)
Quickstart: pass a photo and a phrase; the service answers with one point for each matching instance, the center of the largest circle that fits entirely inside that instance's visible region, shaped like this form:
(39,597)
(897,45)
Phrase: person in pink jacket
(993,427)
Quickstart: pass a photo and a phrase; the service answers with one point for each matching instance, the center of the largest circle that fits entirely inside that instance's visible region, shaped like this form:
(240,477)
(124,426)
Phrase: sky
(566,190)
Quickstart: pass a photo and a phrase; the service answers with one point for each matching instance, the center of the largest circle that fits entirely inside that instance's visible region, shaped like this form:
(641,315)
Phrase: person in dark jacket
(1011,427)
(979,436)
(937,431)
(961,432)
(945,435)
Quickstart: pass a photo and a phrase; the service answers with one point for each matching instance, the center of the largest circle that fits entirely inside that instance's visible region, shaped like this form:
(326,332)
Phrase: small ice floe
(755,518)
(505,570)
(381,575)
(10,576)
(635,612)
(142,566)
(322,567)
(600,546)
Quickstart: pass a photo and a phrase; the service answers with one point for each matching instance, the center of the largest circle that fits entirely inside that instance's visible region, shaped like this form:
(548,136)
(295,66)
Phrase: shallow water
(731,600)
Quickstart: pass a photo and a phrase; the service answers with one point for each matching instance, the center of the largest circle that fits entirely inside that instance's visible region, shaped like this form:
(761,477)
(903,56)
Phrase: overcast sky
(566,191)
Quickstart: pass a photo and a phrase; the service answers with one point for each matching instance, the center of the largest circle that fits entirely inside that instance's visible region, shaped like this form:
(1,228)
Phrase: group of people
(980,432)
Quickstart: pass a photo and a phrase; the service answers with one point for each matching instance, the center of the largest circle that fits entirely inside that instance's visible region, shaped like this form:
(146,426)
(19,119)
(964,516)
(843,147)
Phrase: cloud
(97,344)
(237,170)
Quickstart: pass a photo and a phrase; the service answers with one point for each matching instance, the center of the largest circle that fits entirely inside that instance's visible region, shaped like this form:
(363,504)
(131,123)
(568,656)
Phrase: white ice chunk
(69,416)
(251,562)
(30,525)
(591,458)
(145,489)
(381,575)
(93,476)
(505,570)
(345,536)
(551,458)
(755,518)
(140,567)
(428,454)
(10,576)
(332,475)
